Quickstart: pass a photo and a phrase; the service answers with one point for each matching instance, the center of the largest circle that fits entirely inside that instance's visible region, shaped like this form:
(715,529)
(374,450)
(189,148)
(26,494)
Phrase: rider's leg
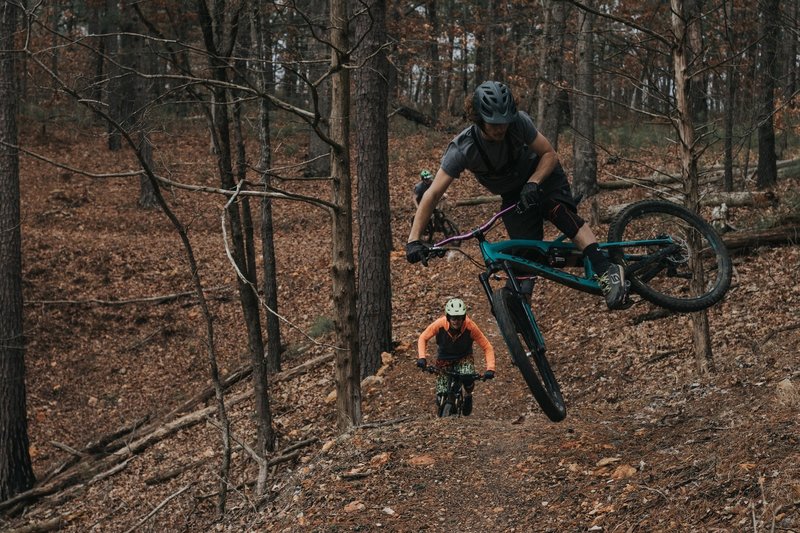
(467,366)
(611,277)
(528,225)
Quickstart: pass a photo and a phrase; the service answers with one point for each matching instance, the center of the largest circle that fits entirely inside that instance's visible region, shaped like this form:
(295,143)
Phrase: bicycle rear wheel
(688,270)
(519,335)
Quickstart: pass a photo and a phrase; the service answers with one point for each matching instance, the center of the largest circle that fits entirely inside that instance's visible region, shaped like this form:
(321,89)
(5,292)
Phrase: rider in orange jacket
(455,334)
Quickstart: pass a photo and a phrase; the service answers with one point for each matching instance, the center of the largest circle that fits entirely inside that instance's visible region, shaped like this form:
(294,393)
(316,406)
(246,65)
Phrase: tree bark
(767,170)
(689,155)
(729,101)
(16,474)
(319,156)
(550,99)
(262,67)
(348,382)
(584,178)
(435,69)
(372,149)
(219,36)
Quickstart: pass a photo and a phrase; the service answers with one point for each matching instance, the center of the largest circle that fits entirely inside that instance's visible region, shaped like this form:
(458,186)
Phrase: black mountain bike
(671,256)
(453,402)
(438,224)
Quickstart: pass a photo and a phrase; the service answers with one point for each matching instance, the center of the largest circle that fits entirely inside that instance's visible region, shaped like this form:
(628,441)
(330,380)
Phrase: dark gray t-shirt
(507,164)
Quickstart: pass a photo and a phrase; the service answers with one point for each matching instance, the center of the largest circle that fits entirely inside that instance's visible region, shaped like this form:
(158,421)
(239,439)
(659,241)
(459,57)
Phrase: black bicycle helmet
(493,102)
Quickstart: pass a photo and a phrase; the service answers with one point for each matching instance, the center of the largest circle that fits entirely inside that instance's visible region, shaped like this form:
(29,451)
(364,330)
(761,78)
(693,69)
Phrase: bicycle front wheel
(428,233)
(449,228)
(675,260)
(519,335)
(446,410)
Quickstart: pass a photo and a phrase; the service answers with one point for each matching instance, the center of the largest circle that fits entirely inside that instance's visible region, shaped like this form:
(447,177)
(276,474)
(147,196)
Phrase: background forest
(206,313)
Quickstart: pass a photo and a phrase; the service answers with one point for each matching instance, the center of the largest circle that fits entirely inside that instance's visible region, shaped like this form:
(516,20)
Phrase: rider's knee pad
(565,219)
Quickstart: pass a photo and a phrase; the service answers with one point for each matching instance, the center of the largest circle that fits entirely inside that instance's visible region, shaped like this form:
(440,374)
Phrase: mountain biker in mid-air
(455,334)
(510,157)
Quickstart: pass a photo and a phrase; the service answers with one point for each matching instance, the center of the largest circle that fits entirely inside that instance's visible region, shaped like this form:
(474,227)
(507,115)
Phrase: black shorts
(556,196)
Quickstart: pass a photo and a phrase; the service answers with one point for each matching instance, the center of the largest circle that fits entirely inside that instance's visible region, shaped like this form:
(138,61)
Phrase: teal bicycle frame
(553,256)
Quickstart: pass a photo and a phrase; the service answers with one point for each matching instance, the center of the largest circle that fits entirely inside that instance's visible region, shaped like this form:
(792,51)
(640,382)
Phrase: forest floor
(649,444)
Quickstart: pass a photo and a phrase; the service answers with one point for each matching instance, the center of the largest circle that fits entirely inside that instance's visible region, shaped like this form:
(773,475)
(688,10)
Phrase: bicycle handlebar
(471,234)
(436,370)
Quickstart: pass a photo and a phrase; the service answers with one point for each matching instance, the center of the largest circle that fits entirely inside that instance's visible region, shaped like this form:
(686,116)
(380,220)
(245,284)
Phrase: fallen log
(731,199)
(786,168)
(40,527)
(413,115)
(740,199)
(235,377)
(477,200)
(745,240)
(626,183)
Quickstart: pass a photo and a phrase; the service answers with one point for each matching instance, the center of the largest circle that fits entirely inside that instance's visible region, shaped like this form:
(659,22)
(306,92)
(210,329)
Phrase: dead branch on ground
(160,506)
(93,466)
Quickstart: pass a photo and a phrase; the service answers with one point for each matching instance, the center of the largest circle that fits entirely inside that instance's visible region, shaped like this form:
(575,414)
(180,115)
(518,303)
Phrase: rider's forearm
(423,214)
(547,164)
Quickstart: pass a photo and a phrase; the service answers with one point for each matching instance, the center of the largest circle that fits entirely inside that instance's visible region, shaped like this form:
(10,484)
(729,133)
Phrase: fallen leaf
(354,507)
(380,459)
(605,461)
(331,397)
(623,472)
(422,460)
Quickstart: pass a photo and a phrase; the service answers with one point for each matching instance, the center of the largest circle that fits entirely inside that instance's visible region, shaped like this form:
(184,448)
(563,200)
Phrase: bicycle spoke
(673,257)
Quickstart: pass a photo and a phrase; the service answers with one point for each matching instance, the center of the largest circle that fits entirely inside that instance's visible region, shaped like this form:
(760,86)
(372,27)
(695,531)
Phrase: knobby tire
(447,409)
(673,283)
(516,330)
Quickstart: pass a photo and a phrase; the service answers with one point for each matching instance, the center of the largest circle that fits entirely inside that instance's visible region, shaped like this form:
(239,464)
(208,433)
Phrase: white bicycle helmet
(455,307)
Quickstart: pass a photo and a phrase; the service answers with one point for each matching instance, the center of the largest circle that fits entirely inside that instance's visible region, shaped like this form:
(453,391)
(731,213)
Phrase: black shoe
(614,287)
(466,409)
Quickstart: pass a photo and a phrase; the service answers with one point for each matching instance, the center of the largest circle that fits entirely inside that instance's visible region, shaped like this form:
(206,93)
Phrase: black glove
(489,374)
(530,196)
(422,363)
(416,251)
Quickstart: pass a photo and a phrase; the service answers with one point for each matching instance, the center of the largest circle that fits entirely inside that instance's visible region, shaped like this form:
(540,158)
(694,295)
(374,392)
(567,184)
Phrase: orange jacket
(462,340)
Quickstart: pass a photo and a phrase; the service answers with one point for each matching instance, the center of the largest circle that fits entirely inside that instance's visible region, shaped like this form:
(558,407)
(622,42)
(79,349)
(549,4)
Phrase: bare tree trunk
(435,69)
(482,47)
(147,197)
(348,382)
(16,473)
(318,150)
(730,101)
(214,33)
(262,39)
(550,111)
(375,234)
(699,82)
(767,170)
(689,155)
(584,153)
